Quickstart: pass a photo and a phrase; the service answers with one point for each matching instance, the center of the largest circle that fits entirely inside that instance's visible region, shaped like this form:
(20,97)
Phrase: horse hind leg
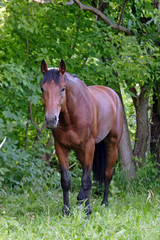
(99,166)
(112,154)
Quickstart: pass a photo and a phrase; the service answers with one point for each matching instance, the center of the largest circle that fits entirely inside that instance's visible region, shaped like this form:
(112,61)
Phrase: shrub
(20,169)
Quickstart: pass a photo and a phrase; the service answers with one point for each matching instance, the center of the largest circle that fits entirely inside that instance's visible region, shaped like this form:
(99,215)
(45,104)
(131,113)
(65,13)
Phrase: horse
(88,120)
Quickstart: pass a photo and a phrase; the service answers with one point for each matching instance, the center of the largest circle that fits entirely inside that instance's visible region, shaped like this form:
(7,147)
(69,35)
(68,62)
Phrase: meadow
(133,213)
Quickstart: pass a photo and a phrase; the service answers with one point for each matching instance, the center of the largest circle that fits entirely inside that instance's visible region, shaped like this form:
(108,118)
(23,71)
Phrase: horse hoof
(65,210)
(105,203)
(80,207)
(88,210)
(80,202)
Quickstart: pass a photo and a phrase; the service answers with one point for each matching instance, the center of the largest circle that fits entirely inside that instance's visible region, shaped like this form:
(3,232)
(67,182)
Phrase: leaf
(129,24)
(151,20)
(120,233)
(44,50)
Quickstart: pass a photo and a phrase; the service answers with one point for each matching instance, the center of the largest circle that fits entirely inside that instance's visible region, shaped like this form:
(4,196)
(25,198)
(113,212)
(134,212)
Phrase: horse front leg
(87,162)
(86,185)
(65,183)
(81,195)
(63,154)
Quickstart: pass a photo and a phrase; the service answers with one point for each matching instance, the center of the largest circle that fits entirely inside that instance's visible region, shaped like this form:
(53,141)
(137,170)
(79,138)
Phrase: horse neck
(76,90)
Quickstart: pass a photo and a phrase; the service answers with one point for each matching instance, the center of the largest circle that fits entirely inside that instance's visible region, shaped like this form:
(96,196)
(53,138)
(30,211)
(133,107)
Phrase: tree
(155,124)
(112,48)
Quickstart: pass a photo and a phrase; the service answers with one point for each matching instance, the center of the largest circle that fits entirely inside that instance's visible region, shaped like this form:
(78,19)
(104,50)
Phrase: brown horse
(84,119)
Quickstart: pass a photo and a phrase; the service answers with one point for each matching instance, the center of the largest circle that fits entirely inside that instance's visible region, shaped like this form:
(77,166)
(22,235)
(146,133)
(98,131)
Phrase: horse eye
(63,89)
(42,90)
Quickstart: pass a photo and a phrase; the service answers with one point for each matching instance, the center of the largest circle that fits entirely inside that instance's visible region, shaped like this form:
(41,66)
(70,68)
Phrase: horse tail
(100,162)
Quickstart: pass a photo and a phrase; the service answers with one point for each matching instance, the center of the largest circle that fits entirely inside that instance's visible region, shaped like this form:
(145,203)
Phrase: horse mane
(74,79)
(71,79)
(53,73)
(75,75)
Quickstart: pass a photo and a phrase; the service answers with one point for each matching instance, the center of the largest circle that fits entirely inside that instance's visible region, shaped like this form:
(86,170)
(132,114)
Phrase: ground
(38,215)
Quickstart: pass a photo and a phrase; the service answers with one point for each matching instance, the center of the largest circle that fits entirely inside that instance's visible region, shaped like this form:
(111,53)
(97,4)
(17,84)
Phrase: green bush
(147,177)
(21,169)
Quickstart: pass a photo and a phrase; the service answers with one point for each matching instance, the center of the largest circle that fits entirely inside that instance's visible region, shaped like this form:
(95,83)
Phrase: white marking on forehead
(54,68)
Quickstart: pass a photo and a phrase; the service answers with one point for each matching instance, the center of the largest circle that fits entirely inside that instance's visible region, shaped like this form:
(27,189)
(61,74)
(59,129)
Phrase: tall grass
(130,215)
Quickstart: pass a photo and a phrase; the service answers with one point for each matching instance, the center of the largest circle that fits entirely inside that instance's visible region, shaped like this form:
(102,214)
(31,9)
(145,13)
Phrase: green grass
(130,215)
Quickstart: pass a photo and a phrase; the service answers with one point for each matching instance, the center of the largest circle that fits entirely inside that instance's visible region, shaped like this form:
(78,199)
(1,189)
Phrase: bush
(20,169)
(147,177)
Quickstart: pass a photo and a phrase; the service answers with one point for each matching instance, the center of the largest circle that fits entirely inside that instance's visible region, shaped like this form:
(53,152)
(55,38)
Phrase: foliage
(97,54)
(21,170)
(91,50)
(146,176)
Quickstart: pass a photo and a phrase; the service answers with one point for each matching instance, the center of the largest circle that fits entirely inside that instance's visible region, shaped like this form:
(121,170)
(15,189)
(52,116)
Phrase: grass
(130,215)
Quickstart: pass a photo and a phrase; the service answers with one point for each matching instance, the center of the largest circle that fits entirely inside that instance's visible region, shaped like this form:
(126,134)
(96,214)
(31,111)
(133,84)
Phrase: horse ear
(62,67)
(44,67)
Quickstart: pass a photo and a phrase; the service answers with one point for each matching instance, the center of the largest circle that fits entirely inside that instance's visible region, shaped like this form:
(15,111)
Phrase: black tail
(99,162)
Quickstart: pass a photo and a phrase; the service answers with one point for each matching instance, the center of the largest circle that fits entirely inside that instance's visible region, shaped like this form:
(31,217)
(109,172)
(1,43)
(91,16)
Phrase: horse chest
(68,138)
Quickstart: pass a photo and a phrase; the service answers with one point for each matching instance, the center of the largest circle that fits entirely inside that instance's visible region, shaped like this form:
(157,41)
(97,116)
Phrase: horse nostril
(51,120)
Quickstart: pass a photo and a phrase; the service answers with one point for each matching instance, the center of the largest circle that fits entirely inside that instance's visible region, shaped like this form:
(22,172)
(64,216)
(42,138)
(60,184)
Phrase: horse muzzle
(51,120)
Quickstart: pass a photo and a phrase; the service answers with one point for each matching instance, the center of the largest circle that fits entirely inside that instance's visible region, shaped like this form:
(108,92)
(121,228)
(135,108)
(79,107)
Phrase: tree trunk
(125,150)
(141,136)
(155,128)
(155,124)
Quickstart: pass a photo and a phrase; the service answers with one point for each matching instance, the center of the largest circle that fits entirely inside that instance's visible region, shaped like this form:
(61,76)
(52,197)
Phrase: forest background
(113,43)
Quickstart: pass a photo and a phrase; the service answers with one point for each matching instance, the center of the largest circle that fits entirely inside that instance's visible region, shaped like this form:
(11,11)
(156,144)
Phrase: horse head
(53,88)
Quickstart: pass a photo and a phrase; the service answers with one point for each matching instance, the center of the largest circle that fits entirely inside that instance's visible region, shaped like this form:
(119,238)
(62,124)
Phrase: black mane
(51,74)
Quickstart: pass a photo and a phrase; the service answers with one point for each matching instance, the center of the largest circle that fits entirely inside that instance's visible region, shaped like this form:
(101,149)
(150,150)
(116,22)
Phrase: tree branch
(49,1)
(32,121)
(26,136)
(70,3)
(96,12)
(102,16)
(120,19)
(42,2)
(3,142)
(134,96)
